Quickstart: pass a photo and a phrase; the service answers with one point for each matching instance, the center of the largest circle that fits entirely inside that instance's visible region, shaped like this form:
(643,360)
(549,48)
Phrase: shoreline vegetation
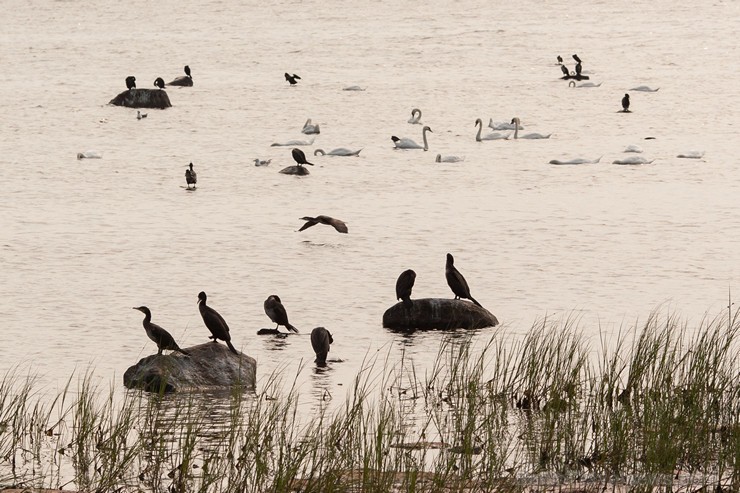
(654,408)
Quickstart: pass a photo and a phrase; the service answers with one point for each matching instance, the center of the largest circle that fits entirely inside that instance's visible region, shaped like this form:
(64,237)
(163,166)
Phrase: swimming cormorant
(329,221)
(575,57)
(159,82)
(191,178)
(161,337)
(320,341)
(560,59)
(187,71)
(404,284)
(300,157)
(140,115)
(215,322)
(276,311)
(626,103)
(291,78)
(457,282)
(130,82)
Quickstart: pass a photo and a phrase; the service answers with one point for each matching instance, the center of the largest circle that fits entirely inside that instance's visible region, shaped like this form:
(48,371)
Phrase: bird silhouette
(215,322)
(276,311)
(161,337)
(187,71)
(321,339)
(330,221)
(291,78)
(130,82)
(575,57)
(626,103)
(159,82)
(457,282)
(404,284)
(191,178)
(300,157)
(140,115)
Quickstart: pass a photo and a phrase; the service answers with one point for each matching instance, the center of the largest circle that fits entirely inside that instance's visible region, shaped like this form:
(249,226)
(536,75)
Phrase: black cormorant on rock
(300,157)
(291,78)
(183,80)
(161,337)
(578,68)
(457,282)
(159,82)
(276,311)
(215,322)
(564,69)
(404,284)
(187,71)
(191,178)
(321,339)
(329,221)
(626,103)
(130,82)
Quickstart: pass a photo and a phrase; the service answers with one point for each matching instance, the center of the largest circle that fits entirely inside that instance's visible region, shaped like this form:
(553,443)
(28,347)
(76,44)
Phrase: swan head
(438,159)
(394,138)
(478,121)
(515,120)
(426,127)
(318,152)
(416,111)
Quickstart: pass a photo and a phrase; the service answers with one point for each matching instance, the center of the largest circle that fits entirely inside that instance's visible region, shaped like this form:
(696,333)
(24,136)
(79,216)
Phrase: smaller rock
(182,81)
(438,313)
(295,170)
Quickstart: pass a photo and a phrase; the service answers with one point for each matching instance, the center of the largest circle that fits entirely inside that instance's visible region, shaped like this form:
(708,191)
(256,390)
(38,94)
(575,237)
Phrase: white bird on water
(502,125)
(448,159)
(415,116)
(691,155)
(526,136)
(491,136)
(578,160)
(261,162)
(406,143)
(645,89)
(293,143)
(339,151)
(632,160)
(309,128)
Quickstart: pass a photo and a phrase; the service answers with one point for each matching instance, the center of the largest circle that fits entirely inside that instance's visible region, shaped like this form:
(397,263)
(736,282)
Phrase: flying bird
(300,157)
(276,311)
(330,221)
(404,284)
(215,322)
(161,337)
(291,78)
(457,282)
(191,178)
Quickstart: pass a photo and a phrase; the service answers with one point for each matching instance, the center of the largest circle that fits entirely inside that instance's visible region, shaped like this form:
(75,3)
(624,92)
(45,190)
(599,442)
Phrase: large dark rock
(143,98)
(210,365)
(182,81)
(438,313)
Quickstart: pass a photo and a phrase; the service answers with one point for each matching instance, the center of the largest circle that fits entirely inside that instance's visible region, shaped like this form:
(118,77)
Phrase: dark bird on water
(130,82)
(321,339)
(575,57)
(191,178)
(457,282)
(215,322)
(187,71)
(276,311)
(300,157)
(159,82)
(161,337)
(560,59)
(140,115)
(404,284)
(329,221)
(291,78)
(626,103)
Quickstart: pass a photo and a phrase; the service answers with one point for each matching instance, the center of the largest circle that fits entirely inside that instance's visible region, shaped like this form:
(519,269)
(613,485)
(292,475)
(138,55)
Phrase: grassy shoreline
(656,408)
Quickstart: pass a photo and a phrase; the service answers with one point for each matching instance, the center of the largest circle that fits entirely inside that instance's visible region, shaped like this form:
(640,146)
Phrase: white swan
(448,159)
(633,160)
(692,155)
(261,162)
(632,148)
(502,125)
(491,136)
(645,89)
(589,84)
(526,136)
(415,116)
(309,128)
(293,143)
(406,143)
(340,151)
(353,88)
(578,160)
(89,155)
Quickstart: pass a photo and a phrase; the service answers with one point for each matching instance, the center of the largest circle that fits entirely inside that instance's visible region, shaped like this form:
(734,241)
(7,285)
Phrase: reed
(654,407)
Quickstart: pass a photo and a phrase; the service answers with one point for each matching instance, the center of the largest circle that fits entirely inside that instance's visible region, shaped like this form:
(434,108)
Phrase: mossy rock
(143,98)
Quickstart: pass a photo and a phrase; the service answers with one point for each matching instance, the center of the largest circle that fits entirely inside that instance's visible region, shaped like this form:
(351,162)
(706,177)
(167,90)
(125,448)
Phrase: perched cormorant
(578,68)
(190,176)
(404,284)
(564,69)
(140,115)
(300,157)
(626,103)
(161,337)
(320,341)
(329,221)
(276,311)
(291,78)
(130,82)
(187,71)
(215,322)
(575,57)
(159,82)
(560,59)
(457,282)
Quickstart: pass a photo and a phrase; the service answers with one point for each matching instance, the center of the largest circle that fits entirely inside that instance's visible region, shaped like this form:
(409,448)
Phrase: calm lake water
(83,241)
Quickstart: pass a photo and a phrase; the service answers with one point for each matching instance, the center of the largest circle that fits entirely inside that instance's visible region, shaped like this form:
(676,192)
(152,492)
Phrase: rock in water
(295,170)
(183,80)
(209,366)
(438,313)
(142,98)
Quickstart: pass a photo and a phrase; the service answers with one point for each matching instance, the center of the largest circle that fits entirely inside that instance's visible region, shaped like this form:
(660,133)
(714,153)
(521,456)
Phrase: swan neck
(479,124)
(424,136)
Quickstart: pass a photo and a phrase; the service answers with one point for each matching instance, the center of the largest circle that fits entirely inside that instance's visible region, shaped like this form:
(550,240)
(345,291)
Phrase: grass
(654,408)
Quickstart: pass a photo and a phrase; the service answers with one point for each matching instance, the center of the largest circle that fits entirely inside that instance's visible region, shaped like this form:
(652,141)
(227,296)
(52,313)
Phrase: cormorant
(291,78)
(187,71)
(159,82)
(320,341)
(276,311)
(140,115)
(575,57)
(329,221)
(457,282)
(190,176)
(215,322)
(404,284)
(560,59)
(626,103)
(300,157)
(564,69)
(161,337)
(578,69)
(130,82)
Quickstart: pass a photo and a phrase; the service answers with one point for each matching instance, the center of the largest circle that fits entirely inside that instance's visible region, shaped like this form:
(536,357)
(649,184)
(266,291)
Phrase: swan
(645,89)
(632,148)
(415,116)
(353,88)
(309,128)
(589,84)
(406,143)
(448,159)
(293,143)
(526,136)
(261,162)
(502,125)
(576,161)
(692,155)
(633,160)
(340,151)
(491,136)
(89,155)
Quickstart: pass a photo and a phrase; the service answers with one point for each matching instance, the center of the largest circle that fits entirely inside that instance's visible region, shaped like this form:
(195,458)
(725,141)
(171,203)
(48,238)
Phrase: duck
(406,143)
(491,136)
(526,136)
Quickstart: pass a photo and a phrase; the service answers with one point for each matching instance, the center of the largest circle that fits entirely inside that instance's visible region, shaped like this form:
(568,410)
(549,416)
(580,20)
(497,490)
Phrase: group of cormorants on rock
(578,76)
(455,281)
